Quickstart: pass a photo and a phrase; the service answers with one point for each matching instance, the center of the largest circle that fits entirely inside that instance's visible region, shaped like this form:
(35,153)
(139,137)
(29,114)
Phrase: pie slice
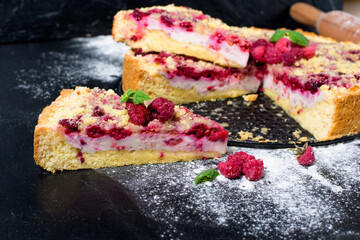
(91,128)
(181,30)
(183,79)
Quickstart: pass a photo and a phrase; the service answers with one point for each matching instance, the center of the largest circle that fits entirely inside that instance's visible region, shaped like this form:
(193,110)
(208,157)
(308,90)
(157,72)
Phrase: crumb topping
(98,112)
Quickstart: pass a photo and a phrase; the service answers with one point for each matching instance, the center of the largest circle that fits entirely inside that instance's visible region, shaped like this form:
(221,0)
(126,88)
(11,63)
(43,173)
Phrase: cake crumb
(296,133)
(245,135)
(264,130)
(250,97)
(224,124)
(229,102)
(303,139)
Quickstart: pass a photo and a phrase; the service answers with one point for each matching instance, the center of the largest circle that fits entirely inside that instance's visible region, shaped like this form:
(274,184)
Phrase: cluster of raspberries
(282,51)
(242,163)
(161,109)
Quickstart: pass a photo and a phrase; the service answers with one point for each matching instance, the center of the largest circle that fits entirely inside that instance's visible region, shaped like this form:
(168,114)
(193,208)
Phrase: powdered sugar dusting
(289,201)
(81,62)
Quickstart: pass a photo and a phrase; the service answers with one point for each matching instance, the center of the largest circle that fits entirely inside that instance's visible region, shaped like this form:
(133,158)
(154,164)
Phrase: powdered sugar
(289,201)
(81,62)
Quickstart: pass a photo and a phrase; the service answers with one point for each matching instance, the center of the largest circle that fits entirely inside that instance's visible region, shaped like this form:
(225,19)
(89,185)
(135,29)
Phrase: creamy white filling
(296,97)
(144,142)
(232,53)
(204,86)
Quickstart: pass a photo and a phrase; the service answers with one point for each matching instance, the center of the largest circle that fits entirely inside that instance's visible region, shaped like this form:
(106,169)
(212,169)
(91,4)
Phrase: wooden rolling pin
(336,24)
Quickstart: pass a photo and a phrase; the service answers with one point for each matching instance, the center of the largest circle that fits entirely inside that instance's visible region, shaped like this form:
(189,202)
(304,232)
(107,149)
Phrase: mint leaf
(298,38)
(294,36)
(135,97)
(207,175)
(140,97)
(127,97)
(278,34)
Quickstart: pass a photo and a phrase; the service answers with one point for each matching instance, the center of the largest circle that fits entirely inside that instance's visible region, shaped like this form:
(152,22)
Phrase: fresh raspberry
(298,52)
(308,157)
(258,53)
(259,42)
(253,169)
(230,169)
(288,58)
(283,44)
(139,114)
(161,109)
(309,51)
(241,157)
(272,55)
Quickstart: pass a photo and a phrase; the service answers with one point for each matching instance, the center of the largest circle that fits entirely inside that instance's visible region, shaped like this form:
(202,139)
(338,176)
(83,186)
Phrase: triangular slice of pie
(91,128)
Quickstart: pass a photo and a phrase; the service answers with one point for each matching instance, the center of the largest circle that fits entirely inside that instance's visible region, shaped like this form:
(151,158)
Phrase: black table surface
(153,201)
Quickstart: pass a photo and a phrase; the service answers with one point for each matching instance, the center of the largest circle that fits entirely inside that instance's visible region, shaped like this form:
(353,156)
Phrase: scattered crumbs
(224,125)
(257,138)
(245,135)
(229,102)
(264,130)
(250,97)
(255,129)
(279,114)
(297,133)
(303,139)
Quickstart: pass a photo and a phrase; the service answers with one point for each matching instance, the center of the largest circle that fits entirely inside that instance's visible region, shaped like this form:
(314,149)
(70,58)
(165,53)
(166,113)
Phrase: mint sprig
(205,176)
(135,97)
(294,36)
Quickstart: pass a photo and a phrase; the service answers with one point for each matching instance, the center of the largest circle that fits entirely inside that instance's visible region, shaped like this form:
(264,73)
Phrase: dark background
(35,204)
(29,20)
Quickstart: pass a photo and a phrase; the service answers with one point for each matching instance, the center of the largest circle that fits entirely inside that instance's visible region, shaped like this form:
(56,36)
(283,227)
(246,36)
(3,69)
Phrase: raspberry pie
(91,128)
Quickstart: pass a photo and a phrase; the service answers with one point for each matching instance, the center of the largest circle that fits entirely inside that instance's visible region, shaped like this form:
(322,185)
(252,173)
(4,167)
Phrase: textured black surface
(98,205)
(58,19)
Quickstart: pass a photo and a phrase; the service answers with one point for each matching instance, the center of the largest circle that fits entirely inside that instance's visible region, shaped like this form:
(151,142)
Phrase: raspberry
(298,52)
(70,125)
(259,42)
(119,133)
(95,131)
(258,53)
(309,51)
(139,114)
(161,109)
(98,112)
(308,157)
(283,44)
(272,55)
(241,157)
(288,58)
(168,21)
(218,134)
(199,130)
(253,169)
(230,169)
(187,25)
